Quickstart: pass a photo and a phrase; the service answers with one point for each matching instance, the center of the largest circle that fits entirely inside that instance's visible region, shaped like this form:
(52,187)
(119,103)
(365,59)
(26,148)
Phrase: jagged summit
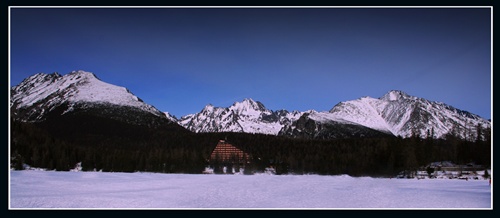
(248,105)
(395,95)
(208,107)
(245,116)
(83,73)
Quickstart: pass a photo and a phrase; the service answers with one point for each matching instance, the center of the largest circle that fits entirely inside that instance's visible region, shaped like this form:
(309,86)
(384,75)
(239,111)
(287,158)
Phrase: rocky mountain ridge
(395,113)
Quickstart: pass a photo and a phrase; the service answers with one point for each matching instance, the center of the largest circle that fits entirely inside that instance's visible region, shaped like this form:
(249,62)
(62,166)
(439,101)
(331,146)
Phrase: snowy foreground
(50,189)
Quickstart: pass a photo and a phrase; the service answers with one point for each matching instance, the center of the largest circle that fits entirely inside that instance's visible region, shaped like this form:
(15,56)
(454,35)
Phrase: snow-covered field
(50,189)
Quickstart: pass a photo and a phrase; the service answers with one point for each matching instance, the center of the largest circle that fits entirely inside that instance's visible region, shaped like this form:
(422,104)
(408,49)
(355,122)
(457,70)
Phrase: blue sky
(180,59)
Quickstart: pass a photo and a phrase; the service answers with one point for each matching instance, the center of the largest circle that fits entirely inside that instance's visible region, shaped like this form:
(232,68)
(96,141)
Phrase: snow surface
(51,189)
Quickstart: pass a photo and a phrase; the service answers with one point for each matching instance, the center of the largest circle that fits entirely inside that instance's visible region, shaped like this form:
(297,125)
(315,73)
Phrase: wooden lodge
(227,153)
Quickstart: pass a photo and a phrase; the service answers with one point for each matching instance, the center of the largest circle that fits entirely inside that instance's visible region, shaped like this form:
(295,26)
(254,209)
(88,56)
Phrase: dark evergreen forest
(112,146)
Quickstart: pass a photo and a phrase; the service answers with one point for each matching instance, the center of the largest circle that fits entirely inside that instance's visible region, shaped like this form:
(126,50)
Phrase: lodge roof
(225,151)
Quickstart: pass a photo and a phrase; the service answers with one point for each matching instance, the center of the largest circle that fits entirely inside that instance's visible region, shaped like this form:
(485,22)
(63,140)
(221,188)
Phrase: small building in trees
(228,155)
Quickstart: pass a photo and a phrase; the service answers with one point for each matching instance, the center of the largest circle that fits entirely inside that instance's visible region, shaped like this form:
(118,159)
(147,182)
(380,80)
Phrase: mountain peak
(395,95)
(82,75)
(249,103)
(208,108)
(171,117)
(81,72)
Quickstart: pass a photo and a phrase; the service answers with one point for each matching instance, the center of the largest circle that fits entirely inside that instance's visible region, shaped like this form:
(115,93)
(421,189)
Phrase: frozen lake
(50,189)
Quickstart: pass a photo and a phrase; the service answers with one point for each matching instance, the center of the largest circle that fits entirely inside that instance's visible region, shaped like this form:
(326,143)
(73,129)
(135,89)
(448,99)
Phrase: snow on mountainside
(403,115)
(364,111)
(247,116)
(171,117)
(395,113)
(324,125)
(41,93)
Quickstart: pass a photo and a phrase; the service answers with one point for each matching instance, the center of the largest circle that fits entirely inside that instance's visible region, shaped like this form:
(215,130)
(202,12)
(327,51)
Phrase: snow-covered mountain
(42,94)
(247,116)
(399,114)
(395,113)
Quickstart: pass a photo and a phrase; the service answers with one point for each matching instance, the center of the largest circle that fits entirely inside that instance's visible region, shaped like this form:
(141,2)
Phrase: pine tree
(18,162)
(479,132)
(411,163)
(430,170)
(486,174)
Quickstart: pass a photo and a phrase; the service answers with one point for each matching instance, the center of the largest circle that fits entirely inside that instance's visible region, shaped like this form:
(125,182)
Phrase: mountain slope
(402,115)
(51,95)
(323,125)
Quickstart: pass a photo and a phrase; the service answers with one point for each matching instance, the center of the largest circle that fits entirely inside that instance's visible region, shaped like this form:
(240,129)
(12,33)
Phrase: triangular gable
(225,151)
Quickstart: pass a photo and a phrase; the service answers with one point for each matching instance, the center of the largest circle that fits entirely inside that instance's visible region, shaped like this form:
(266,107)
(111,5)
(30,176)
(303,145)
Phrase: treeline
(132,149)
(120,149)
(385,156)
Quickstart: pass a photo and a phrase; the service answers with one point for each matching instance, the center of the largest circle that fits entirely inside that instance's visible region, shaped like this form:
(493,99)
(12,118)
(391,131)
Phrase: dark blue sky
(180,59)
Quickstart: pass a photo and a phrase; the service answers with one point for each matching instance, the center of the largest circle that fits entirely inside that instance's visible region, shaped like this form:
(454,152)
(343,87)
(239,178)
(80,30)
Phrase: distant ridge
(395,113)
